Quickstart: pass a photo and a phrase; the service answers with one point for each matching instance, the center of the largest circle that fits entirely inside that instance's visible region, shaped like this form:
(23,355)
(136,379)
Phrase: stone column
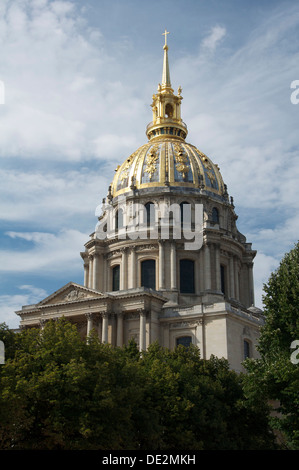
(173,279)
(232,277)
(237,279)
(250,284)
(201,270)
(217,268)
(104,327)
(207,268)
(86,273)
(161,265)
(133,268)
(142,331)
(105,274)
(95,275)
(90,284)
(120,330)
(123,273)
(89,323)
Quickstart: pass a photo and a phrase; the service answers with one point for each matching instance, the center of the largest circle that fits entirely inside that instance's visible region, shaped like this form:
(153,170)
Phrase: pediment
(70,293)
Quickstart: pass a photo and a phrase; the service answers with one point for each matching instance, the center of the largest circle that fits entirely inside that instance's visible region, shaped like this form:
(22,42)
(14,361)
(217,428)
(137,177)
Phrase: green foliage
(274,375)
(281,303)
(58,392)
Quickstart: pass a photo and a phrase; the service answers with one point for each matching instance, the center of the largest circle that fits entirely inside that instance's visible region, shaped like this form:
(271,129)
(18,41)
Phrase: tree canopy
(276,373)
(58,392)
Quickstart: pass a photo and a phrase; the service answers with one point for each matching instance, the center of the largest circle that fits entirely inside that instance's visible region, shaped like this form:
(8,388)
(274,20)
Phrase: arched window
(215,215)
(169,110)
(148,273)
(246,346)
(187,284)
(185,208)
(119,219)
(150,214)
(115,277)
(184,341)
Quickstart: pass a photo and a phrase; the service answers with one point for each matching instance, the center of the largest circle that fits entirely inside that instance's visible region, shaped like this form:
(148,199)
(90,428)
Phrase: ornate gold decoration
(151,161)
(125,171)
(211,177)
(181,159)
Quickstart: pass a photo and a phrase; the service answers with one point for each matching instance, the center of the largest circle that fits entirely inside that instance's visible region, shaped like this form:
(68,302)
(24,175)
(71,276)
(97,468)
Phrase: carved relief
(74,295)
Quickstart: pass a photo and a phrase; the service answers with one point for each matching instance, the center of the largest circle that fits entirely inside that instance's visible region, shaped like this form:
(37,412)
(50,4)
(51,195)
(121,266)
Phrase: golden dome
(167,160)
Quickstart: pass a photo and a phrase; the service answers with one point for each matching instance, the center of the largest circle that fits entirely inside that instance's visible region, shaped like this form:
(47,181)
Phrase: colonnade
(211,265)
(101,321)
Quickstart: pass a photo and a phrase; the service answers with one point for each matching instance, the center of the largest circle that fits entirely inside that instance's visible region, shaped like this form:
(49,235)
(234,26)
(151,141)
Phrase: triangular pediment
(71,292)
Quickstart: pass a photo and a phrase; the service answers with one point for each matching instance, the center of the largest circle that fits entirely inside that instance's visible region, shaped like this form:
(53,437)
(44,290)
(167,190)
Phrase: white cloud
(62,84)
(50,252)
(52,199)
(11,303)
(211,41)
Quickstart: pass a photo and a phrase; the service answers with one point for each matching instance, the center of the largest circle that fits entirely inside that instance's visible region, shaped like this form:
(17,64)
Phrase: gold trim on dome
(151,161)
(166,157)
(182,161)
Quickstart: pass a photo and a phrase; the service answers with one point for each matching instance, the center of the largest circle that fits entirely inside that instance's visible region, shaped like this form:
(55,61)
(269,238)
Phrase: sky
(76,83)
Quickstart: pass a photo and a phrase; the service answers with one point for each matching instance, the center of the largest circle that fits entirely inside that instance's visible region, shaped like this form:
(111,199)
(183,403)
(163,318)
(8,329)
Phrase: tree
(59,392)
(276,375)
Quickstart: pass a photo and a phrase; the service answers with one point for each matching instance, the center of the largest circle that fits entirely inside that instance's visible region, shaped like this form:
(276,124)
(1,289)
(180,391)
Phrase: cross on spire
(165,34)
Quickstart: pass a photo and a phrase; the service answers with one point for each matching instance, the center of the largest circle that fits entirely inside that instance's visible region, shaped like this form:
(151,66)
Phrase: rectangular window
(246,349)
(187,284)
(148,273)
(115,277)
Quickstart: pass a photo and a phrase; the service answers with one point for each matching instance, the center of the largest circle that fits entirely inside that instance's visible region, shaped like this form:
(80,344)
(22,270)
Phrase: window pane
(150,214)
(215,215)
(246,349)
(187,285)
(115,277)
(148,273)
(184,341)
(119,219)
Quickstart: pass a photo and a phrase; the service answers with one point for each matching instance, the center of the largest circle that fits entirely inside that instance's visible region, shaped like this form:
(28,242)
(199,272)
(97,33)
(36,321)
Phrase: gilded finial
(165,34)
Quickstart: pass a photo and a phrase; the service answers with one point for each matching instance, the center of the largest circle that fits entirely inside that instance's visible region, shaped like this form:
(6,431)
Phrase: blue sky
(78,79)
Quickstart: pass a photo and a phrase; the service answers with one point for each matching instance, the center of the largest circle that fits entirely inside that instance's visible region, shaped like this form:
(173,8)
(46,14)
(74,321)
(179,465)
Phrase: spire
(166,107)
(166,74)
